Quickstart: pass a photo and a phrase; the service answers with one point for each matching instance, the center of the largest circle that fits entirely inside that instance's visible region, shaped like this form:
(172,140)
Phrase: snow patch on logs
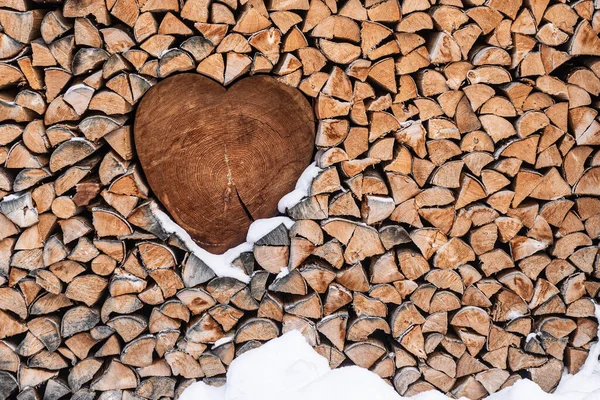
(301,190)
(221,264)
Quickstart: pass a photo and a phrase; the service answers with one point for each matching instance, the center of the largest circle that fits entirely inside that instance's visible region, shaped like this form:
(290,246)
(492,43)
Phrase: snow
(221,263)
(222,341)
(531,336)
(78,86)
(261,227)
(406,124)
(513,314)
(284,271)
(11,197)
(78,139)
(288,368)
(301,190)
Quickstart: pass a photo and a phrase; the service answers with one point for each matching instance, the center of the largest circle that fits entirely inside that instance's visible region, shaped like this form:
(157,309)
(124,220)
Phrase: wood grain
(218,159)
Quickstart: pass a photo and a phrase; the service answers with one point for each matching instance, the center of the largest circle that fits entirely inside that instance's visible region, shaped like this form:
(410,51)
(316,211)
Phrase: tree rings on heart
(219,158)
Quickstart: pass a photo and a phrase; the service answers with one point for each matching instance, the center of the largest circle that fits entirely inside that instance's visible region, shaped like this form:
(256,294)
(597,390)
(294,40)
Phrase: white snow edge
(289,368)
(302,188)
(221,264)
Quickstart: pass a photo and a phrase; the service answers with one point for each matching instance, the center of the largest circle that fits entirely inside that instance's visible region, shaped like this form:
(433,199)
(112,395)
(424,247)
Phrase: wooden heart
(220,158)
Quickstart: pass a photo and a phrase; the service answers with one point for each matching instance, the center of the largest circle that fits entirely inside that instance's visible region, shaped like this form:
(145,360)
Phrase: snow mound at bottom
(288,368)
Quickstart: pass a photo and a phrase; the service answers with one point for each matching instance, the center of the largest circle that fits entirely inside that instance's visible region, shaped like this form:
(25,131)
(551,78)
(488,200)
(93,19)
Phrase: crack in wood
(246,210)
(231,184)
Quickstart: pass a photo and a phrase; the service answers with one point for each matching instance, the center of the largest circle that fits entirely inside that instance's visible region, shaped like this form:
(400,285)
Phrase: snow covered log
(449,238)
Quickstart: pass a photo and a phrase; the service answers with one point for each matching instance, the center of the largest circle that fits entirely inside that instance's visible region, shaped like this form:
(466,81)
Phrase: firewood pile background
(450,242)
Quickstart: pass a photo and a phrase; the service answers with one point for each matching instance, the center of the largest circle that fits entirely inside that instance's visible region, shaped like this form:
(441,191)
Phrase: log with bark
(449,242)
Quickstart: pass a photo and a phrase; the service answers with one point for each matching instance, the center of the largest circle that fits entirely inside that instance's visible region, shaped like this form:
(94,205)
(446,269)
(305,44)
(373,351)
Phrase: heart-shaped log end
(220,158)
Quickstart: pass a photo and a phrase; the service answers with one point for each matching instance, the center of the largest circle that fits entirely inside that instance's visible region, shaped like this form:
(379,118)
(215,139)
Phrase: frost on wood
(446,236)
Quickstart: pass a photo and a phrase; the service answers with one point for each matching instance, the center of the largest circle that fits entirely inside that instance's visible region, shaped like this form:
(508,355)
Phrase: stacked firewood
(450,241)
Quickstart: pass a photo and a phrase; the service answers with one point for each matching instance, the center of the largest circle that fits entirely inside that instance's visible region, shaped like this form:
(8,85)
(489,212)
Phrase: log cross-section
(219,158)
